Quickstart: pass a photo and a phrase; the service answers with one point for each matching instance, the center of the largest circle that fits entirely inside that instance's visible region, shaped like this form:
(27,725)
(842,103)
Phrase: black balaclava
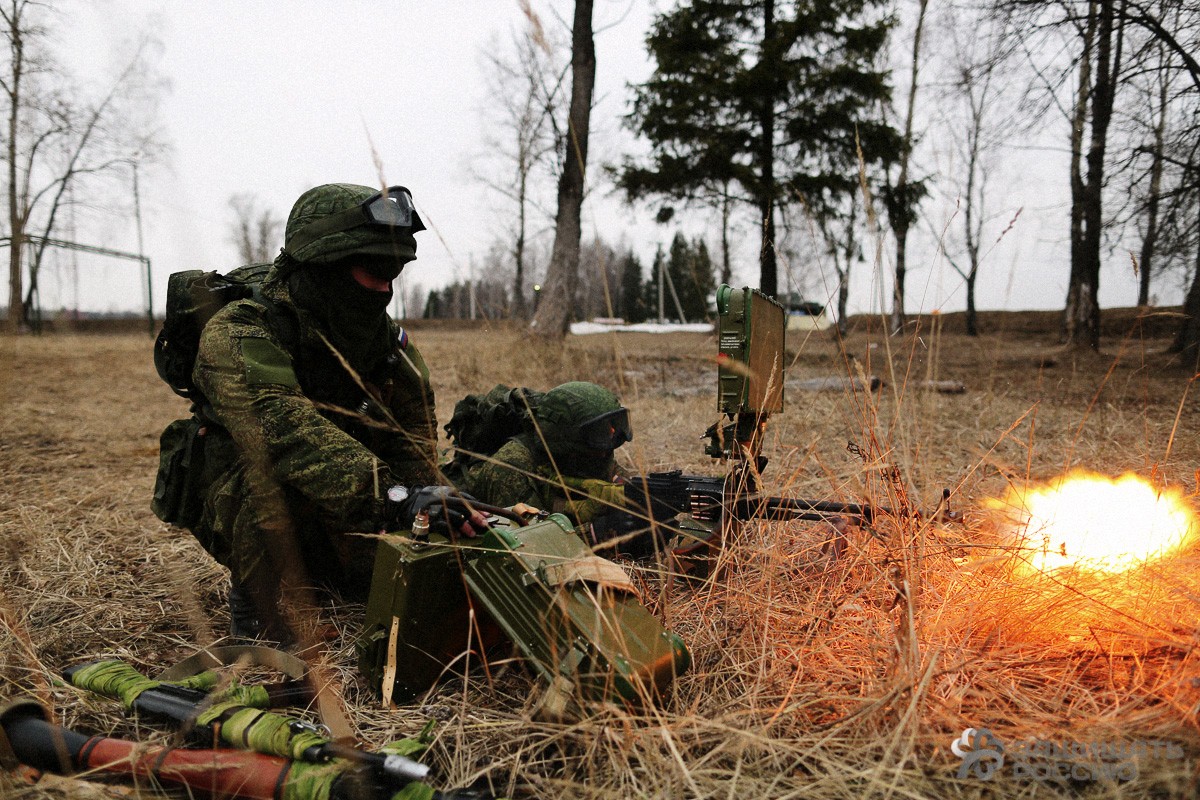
(354,316)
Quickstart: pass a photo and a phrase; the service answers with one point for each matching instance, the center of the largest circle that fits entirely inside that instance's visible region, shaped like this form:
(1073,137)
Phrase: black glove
(447,507)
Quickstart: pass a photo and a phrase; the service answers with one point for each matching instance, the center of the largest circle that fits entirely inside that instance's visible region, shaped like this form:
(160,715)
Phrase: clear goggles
(607,431)
(392,208)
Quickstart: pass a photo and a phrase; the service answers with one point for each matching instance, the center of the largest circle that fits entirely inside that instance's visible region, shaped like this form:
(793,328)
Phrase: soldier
(566,463)
(319,413)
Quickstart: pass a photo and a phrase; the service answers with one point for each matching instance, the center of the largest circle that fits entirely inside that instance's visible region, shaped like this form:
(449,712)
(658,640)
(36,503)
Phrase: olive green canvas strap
(329,707)
(590,569)
(254,655)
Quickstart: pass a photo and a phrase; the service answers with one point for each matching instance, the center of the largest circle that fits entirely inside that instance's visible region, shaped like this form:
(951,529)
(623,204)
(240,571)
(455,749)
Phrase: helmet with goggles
(583,415)
(336,221)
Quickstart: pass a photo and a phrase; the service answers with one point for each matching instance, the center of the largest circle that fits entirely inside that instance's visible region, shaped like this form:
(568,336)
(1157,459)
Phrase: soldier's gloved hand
(449,509)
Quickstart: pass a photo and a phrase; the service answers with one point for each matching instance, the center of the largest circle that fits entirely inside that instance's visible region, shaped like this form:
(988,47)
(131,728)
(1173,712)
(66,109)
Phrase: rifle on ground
(30,738)
(212,721)
(35,742)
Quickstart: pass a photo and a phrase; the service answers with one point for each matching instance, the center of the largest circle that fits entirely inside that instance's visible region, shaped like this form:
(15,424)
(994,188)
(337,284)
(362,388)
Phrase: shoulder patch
(402,339)
(266,363)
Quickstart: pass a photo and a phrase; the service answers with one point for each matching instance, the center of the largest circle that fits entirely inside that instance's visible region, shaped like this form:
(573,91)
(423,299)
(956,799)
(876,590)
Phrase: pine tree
(633,299)
(774,97)
(691,272)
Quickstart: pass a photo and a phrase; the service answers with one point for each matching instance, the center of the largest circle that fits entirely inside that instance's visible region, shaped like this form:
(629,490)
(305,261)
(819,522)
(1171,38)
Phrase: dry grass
(811,678)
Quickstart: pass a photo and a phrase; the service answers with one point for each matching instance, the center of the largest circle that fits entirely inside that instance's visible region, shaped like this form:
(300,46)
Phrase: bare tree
(983,47)
(57,139)
(526,91)
(903,197)
(1099,69)
(1093,32)
(597,293)
(1142,174)
(1176,24)
(255,231)
(1159,108)
(839,235)
(553,313)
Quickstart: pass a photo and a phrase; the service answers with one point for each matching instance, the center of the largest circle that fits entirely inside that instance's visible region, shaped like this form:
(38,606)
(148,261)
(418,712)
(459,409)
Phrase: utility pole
(662,266)
(141,251)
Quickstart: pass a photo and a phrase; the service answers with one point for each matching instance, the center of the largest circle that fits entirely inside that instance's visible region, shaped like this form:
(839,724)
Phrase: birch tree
(553,315)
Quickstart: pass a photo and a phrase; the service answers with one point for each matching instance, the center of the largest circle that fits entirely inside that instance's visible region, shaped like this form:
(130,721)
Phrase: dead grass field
(815,679)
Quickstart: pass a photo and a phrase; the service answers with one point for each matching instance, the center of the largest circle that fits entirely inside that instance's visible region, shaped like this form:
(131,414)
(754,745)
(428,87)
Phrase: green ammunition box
(574,616)
(435,607)
(419,621)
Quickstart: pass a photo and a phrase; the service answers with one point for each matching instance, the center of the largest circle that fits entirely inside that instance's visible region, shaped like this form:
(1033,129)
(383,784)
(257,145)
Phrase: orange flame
(1090,521)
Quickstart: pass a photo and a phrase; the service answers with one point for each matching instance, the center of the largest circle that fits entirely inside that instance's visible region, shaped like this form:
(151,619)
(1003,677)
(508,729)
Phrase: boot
(255,623)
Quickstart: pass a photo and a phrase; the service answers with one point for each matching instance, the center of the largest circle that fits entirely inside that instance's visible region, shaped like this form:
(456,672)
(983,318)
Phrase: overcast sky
(272,97)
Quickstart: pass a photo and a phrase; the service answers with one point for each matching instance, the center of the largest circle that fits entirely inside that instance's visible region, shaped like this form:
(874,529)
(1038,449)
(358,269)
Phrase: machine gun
(700,512)
(703,498)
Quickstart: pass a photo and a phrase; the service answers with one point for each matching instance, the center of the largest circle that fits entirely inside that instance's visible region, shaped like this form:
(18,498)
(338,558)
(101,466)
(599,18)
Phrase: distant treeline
(611,284)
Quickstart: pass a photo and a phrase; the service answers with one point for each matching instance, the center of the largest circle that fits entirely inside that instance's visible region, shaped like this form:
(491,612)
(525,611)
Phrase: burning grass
(813,676)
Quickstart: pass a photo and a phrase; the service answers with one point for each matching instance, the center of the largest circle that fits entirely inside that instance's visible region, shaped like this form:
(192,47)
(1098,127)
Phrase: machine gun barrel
(785,508)
(667,494)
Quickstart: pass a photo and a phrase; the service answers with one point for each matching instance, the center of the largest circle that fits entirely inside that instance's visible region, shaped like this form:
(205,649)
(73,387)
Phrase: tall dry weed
(813,675)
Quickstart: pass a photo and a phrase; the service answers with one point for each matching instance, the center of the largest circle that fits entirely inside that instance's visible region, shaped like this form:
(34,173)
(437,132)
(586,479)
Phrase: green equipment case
(574,616)
(420,620)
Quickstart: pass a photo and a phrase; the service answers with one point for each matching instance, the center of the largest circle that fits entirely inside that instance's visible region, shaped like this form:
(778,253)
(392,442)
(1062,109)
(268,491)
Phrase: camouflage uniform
(295,465)
(306,441)
(552,468)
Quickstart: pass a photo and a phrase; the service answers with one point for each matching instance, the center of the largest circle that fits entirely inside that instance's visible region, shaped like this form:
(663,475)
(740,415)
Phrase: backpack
(482,423)
(193,297)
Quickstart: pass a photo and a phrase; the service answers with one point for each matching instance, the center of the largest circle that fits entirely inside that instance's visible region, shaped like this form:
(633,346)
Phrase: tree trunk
(843,295)
(849,254)
(900,225)
(519,309)
(1187,340)
(1150,239)
(16,229)
(972,316)
(1082,99)
(1083,322)
(972,226)
(553,315)
(768,280)
(901,231)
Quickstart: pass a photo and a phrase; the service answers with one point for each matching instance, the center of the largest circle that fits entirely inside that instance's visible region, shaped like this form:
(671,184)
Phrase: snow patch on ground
(583,328)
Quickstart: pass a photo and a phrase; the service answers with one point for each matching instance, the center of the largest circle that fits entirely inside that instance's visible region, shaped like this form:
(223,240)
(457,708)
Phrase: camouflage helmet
(581,415)
(334,221)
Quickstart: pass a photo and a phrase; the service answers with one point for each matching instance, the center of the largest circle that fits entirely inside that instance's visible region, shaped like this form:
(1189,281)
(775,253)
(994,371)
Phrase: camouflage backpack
(482,423)
(193,297)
